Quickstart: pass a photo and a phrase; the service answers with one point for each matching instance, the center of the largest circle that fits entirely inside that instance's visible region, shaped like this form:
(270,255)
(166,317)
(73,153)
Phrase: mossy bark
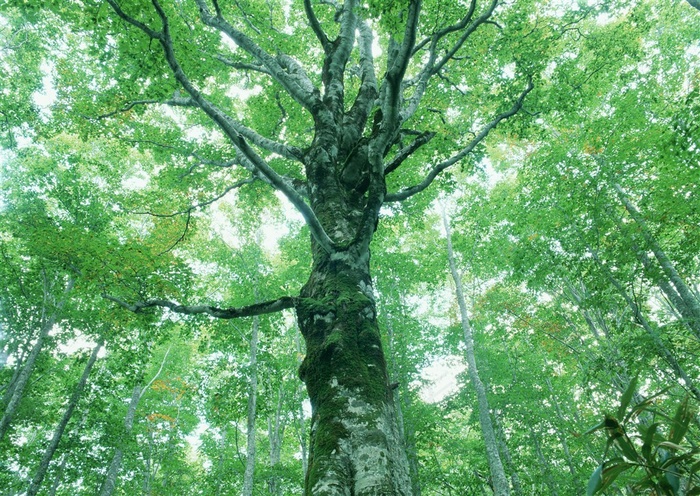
(355,446)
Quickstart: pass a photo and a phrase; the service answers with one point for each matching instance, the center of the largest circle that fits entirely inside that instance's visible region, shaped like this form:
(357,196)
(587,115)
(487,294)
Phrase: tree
(357,138)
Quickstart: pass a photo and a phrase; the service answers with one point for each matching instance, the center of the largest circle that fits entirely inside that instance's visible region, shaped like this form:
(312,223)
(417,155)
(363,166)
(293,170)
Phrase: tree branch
(263,308)
(433,67)
(316,26)
(250,159)
(296,82)
(338,58)
(407,151)
(435,171)
(395,74)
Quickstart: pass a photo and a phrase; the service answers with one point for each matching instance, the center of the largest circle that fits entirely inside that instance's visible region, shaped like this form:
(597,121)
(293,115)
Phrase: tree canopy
(332,247)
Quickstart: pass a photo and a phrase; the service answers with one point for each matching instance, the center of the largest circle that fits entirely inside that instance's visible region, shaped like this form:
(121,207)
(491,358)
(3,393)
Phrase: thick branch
(395,74)
(435,171)
(368,92)
(316,26)
(333,80)
(296,82)
(263,308)
(407,151)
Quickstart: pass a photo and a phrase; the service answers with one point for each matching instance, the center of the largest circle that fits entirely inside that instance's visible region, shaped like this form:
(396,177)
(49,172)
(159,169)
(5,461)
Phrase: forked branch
(438,168)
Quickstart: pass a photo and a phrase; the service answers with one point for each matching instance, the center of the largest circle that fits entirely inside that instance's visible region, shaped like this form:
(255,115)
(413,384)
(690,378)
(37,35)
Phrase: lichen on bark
(355,445)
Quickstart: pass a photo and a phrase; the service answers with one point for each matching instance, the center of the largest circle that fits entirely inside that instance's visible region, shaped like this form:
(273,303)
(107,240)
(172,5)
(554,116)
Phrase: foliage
(652,448)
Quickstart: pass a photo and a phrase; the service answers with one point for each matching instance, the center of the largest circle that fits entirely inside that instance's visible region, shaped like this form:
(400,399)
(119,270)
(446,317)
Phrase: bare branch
(150,32)
(434,66)
(196,206)
(435,171)
(242,66)
(173,102)
(263,308)
(407,151)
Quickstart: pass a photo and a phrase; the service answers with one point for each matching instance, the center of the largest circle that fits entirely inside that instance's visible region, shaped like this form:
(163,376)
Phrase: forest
(349,248)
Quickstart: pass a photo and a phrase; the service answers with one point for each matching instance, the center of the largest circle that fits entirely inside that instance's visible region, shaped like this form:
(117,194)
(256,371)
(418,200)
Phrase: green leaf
(681,421)
(648,439)
(627,397)
(605,475)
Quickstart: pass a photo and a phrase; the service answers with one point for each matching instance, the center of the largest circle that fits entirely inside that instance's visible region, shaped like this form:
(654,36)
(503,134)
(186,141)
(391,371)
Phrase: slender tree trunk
(562,437)
(641,320)
(28,368)
(59,475)
(275,430)
(405,430)
(543,463)
(220,463)
(507,459)
(249,474)
(498,475)
(61,427)
(690,307)
(110,481)
(303,446)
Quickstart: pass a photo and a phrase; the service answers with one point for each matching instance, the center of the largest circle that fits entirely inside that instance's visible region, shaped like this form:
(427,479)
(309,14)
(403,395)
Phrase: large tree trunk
(498,474)
(355,446)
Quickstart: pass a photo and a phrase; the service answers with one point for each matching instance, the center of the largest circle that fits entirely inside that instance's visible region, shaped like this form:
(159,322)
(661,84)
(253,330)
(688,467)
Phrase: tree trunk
(275,430)
(248,476)
(299,399)
(562,438)
(661,348)
(355,445)
(405,430)
(498,475)
(507,459)
(544,464)
(59,475)
(110,481)
(61,427)
(28,368)
(690,309)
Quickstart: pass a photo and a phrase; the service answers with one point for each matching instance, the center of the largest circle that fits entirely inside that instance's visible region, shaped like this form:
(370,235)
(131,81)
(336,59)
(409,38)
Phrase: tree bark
(498,475)
(355,446)
(61,427)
